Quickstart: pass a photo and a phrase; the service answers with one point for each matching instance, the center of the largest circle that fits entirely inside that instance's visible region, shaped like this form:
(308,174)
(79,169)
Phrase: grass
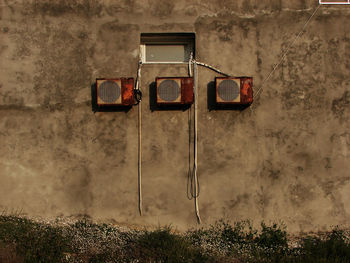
(34,242)
(163,246)
(25,241)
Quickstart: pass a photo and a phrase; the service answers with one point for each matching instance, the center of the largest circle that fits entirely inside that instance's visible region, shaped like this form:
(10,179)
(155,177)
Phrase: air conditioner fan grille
(169,90)
(228,90)
(109,91)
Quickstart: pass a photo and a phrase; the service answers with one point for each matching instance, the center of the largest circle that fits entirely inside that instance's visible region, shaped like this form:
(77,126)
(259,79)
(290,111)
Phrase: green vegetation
(24,241)
(33,241)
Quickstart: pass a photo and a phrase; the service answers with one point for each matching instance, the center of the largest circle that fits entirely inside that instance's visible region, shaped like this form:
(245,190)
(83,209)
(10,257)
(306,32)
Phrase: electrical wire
(257,93)
(190,175)
(190,65)
(189,191)
(210,67)
(137,96)
(140,158)
(191,186)
(192,180)
(137,90)
(196,182)
(138,99)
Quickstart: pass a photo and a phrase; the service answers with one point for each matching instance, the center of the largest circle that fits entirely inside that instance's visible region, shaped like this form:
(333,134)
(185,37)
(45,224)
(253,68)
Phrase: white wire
(285,53)
(138,77)
(190,65)
(195,74)
(138,84)
(210,67)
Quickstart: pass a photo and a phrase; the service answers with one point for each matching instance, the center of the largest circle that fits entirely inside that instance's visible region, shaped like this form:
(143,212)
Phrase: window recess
(167,47)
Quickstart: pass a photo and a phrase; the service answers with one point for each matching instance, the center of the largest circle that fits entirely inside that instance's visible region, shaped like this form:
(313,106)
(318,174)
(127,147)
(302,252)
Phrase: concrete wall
(284,158)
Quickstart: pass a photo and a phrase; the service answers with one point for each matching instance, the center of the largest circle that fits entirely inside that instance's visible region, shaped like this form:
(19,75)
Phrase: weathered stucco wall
(284,158)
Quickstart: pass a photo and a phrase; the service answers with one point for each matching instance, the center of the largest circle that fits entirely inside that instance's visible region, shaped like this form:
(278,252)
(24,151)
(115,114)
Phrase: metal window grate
(169,90)
(109,91)
(228,90)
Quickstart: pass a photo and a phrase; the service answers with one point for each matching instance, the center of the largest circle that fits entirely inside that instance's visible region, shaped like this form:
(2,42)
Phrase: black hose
(137,96)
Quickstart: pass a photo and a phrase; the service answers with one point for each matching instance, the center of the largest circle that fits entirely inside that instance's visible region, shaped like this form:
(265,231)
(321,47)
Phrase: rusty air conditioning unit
(234,90)
(115,92)
(174,90)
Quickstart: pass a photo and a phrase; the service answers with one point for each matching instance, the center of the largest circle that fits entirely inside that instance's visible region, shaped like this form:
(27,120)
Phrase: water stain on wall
(76,184)
(300,194)
(241,199)
(271,171)
(341,105)
(161,8)
(86,8)
(262,198)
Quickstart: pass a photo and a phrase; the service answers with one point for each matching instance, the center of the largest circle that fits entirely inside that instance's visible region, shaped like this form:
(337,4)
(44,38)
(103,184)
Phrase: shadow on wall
(153,101)
(211,101)
(96,108)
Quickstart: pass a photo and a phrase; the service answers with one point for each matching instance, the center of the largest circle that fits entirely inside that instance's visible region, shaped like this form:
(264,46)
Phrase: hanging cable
(210,67)
(192,178)
(140,159)
(196,182)
(257,93)
(137,90)
(190,175)
(190,64)
(138,97)
(191,192)
(193,188)
(189,187)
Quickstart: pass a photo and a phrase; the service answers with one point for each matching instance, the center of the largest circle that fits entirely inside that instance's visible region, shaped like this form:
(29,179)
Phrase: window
(167,47)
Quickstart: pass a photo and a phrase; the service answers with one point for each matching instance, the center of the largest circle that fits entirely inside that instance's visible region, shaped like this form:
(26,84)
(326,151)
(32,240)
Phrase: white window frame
(321,2)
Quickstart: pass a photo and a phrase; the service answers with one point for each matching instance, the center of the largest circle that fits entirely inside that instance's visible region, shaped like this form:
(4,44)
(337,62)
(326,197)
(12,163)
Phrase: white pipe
(140,159)
(138,85)
(195,75)
(190,65)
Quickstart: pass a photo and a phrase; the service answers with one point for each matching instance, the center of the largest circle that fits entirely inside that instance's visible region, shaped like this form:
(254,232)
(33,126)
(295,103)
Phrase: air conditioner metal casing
(234,90)
(115,92)
(174,90)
